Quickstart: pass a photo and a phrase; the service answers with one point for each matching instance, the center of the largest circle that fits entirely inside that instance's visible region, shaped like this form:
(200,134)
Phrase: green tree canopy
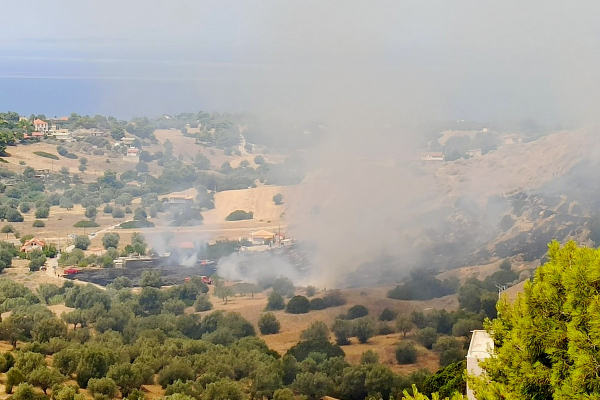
(546,343)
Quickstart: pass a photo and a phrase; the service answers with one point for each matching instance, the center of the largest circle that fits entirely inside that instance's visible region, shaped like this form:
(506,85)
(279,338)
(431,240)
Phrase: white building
(40,126)
(480,348)
(435,156)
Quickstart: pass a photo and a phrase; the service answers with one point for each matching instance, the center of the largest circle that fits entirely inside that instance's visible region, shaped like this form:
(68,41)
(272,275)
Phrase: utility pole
(500,288)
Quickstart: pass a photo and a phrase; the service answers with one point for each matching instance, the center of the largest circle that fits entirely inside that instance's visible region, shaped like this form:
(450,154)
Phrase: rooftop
(481,345)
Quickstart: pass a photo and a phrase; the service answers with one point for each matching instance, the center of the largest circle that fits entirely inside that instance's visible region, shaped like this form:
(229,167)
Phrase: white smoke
(258,267)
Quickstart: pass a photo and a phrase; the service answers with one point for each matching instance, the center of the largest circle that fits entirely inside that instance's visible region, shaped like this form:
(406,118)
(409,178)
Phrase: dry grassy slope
(96,164)
(517,167)
(258,200)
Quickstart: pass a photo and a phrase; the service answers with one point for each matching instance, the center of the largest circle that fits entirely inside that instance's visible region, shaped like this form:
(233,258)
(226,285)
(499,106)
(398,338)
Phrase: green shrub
(334,298)
(275,301)
(505,265)
(448,380)
(104,386)
(12,215)
(304,348)
(177,370)
(62,150)
(427,337)
(406,353)
(203,303)
(24,208)
(387,315)
(278,199)
(81,242)
(423,285)
(363,329)
(239,215)
(38,224)
(342,330)
(86,224)
(42,212)
(317,304)
(118,212)
(268,324)
(298,305)
(137,224)
(46,154)
(310,291)
(71,156)
(357,311)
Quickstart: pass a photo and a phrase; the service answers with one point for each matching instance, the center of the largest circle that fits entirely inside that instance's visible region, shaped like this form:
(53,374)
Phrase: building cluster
(55,128)
(505,140)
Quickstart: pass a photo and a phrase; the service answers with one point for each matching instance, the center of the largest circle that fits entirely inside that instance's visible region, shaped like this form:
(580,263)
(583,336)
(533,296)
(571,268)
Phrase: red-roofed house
(40,126)
(33,244)
(133,152)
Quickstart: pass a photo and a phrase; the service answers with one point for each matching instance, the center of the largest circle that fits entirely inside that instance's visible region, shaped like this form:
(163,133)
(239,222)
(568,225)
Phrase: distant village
(55,128)
(455,144)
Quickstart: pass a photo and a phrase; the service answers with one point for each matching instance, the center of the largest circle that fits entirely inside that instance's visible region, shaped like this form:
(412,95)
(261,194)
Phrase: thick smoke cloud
(375,74)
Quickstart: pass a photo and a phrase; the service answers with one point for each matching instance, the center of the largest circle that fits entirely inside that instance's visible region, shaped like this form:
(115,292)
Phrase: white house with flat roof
(480,348)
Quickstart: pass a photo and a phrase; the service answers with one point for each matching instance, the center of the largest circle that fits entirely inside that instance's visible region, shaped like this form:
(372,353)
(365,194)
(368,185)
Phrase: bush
(108,209)
(406,353)
(140,214)
(71,156)
(388,315)
(13,215)
(268,324)
(334,298)
(202,303)
(90,212)
(38,224)
(342,330)
(239,215)
(110,240)
(427,337)
(316,331)
(118,212)
(178,370)
(278,199)
(81,242)
(357,311)
(86,224)
(304,348)
(137,224)
(298,305)
(104,386)
(259,160)
(275,301)
(363,329)
(448,380)
(310,291)
(42,212)
(46,155)
(423,285)
(317,304)
(504,265)
(62,150)
(25,208)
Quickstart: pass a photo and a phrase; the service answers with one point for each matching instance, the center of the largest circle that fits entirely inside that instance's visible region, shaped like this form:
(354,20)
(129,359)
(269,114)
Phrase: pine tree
(547,344)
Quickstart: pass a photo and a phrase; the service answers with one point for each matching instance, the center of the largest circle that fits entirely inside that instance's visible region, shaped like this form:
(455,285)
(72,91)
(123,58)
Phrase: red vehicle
(71,271)
(207,280)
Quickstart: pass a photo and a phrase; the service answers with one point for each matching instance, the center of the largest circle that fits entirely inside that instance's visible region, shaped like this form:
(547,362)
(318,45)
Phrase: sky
(434,59)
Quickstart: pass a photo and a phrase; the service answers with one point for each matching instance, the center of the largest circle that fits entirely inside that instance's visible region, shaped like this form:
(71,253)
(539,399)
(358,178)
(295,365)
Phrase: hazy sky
(449,59)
